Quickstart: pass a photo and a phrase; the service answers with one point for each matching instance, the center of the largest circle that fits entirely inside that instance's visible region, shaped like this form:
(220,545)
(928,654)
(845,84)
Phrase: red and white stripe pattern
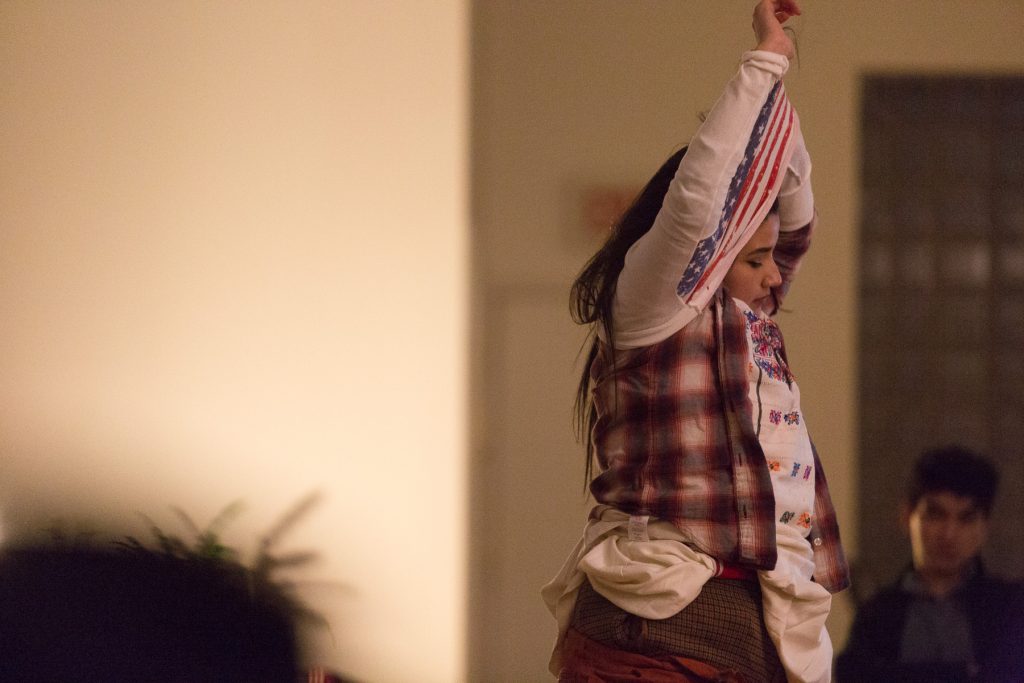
(753,188)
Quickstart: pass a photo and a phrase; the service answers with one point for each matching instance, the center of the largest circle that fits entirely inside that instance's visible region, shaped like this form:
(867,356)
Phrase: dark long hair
(590,300)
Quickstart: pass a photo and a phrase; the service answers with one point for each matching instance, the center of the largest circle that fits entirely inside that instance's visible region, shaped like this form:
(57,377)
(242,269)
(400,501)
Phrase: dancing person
(713,549)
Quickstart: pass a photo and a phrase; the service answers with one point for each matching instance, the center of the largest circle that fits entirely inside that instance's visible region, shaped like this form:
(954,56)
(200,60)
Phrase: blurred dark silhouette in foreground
(80,613)
(175,611)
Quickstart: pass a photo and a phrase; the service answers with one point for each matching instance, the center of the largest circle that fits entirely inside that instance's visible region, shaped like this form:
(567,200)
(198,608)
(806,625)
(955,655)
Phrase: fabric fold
(653,578)
(795,609)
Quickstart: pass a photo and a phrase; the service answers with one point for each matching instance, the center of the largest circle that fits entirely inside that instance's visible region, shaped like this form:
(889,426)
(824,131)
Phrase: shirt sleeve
(796,199)
(831,569)
(789,252)
(736,165)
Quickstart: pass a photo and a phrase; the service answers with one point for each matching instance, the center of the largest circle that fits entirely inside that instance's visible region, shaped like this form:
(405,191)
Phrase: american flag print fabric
(754,185)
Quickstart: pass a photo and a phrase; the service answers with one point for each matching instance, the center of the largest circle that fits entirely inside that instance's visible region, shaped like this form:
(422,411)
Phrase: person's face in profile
(946,532)
(753,274)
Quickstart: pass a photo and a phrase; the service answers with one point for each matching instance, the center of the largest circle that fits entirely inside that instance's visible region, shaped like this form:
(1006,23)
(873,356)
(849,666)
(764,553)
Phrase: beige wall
(221,225)
(233,267)
(570,94)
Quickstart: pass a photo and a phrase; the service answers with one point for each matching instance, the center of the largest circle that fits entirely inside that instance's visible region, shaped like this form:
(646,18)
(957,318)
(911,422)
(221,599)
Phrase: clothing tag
(638,527)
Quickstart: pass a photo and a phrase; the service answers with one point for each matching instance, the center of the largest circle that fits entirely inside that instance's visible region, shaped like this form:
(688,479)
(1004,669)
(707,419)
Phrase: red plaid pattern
(674,439)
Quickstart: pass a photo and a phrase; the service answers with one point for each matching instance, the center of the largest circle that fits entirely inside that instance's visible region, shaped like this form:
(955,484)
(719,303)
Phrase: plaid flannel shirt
(674,434)
(675,440)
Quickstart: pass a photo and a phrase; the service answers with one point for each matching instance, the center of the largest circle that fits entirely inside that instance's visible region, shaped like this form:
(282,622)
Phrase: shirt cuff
(772,62)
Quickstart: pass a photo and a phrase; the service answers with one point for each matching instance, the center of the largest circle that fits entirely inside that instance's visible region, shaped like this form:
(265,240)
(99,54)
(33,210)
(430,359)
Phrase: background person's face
(946,532)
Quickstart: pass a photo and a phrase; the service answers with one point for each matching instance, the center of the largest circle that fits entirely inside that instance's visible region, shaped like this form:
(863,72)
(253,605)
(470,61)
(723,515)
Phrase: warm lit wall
(574,93)
(232,266)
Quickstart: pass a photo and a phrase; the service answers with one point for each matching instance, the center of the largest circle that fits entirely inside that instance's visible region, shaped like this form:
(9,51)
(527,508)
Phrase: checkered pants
(723,626)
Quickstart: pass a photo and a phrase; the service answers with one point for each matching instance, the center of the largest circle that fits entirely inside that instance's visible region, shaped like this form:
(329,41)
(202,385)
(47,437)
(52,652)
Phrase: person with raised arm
(713,549)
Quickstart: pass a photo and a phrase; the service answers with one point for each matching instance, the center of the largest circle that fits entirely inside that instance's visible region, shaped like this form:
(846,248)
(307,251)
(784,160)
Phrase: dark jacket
(994,610)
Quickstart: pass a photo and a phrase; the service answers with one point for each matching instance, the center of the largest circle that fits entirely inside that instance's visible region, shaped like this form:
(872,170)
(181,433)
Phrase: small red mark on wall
(602,205)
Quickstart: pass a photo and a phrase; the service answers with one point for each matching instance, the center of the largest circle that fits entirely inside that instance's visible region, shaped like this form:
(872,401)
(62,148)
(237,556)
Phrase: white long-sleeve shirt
(718,198)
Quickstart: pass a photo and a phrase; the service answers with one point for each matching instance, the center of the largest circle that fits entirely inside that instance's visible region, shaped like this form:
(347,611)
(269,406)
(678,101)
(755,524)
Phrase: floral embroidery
(775,416)
(786,517)
(767,343)
(792,418)
(774,465)
(804,520)
(807,472)
(796,469)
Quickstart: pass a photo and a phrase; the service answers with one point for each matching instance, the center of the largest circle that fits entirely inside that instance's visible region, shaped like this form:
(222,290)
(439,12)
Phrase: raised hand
(769,16)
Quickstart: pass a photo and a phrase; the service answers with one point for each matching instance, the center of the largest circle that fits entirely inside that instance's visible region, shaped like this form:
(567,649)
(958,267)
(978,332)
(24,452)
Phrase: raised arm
(735,167)
(797,218)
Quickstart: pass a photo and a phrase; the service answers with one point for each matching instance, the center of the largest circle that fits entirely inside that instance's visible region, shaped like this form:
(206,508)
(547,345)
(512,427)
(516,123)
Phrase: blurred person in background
(945,618)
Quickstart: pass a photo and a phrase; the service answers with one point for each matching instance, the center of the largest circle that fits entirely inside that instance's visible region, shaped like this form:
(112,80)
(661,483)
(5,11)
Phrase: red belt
(736,572)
